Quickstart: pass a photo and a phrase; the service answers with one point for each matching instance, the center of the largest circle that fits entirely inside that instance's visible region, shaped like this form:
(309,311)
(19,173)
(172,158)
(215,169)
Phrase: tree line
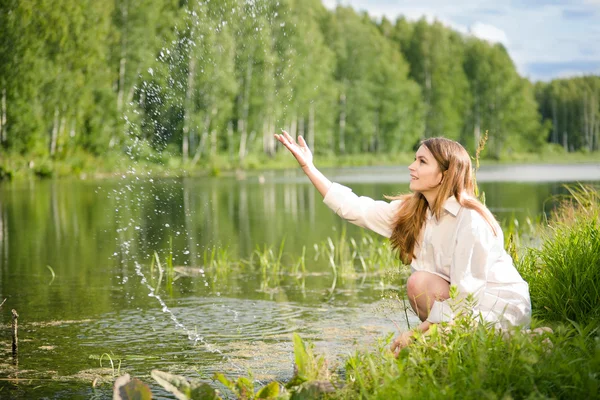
(198,79)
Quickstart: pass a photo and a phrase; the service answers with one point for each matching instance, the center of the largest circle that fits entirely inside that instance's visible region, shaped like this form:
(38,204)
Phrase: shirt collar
(451,205)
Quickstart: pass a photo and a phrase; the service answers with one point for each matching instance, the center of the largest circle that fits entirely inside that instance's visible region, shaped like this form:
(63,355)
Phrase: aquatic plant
(116,371)
(53,274)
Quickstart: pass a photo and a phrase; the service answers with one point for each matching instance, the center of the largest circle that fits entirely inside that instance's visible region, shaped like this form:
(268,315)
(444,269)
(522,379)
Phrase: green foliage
(564,274)
(311,377)
(571,109)
(502,102)
(470,360)
(207,84)
(435,54)
(5,173)
(243,388)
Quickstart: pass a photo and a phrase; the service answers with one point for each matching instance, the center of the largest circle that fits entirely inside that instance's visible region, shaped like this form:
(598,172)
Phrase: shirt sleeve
(376,215)
(468,272)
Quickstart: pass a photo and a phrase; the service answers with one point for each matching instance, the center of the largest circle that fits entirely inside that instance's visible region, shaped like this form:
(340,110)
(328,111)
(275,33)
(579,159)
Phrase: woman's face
(425,174)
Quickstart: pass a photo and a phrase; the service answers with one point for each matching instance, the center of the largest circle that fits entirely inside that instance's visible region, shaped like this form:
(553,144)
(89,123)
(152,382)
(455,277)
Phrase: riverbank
(85,166)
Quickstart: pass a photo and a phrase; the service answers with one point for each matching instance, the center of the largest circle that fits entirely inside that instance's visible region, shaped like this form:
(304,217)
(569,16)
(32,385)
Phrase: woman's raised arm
(305,158)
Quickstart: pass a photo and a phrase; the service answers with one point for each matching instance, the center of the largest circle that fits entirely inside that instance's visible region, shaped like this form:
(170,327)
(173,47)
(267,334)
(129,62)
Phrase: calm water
(99,237)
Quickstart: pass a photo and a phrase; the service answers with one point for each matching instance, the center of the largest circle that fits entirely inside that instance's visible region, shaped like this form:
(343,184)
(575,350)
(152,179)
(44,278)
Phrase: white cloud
(489,32)
(533,33)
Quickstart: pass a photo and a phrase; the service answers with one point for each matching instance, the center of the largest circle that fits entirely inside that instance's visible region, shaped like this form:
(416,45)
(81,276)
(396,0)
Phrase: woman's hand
(300,150)
(403,340)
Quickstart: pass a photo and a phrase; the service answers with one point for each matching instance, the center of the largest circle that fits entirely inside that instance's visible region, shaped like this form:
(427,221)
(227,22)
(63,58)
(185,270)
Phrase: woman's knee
(415,283)
(421,282)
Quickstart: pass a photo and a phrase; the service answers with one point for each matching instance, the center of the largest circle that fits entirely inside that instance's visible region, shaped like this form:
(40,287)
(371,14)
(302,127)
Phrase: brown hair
(455,164)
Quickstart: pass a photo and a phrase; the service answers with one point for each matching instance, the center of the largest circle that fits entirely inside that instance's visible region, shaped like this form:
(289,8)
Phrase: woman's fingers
(288,137)
(301,141)
(402,341)
(284,140)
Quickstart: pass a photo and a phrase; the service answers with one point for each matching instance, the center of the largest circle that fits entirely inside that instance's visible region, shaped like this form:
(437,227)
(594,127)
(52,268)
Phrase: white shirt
(459,247)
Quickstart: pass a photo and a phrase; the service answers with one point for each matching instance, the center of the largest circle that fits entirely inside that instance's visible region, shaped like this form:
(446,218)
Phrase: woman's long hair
(457,181)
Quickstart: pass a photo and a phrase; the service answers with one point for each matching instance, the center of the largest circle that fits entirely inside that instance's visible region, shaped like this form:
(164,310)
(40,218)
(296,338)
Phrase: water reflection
(78,228)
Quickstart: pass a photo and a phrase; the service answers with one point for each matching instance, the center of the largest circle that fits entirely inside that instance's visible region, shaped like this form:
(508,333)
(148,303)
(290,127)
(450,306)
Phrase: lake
(78,263)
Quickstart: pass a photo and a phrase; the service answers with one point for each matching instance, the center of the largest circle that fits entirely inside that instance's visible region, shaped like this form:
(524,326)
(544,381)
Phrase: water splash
(191,335)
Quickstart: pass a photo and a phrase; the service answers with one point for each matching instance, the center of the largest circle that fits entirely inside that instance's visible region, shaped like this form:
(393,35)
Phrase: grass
(564,274)
(470,361)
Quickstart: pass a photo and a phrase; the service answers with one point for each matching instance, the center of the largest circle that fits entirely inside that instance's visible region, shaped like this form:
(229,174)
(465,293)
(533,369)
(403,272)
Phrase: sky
(546,39)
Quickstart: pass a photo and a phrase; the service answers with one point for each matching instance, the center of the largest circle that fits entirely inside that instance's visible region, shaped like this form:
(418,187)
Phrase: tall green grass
(472,361)
(564,273)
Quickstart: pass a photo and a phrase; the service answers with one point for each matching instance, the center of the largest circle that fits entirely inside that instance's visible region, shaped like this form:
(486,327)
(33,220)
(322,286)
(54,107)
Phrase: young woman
(446,235)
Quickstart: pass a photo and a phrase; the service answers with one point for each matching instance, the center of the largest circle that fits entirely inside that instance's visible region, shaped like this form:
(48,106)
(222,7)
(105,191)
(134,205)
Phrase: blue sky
(546,39)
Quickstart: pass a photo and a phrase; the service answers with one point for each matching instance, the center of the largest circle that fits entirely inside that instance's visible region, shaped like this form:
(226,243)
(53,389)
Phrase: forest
(202,79)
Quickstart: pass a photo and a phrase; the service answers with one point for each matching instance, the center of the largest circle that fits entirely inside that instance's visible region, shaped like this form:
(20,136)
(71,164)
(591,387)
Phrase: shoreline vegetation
(88,167)
(466,359)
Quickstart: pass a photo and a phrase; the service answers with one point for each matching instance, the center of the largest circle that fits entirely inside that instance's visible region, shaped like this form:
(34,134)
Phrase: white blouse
(459,247)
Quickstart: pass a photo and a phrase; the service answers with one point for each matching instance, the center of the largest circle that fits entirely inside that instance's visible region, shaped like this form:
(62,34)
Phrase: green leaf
(295,381)
(226,382)
(269,391)
(126,388)
(204,392)
(245,387)
(302,358)
(137,390)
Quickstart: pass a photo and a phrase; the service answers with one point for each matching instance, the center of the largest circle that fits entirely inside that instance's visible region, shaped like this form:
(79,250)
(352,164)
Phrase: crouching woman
(446,235)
